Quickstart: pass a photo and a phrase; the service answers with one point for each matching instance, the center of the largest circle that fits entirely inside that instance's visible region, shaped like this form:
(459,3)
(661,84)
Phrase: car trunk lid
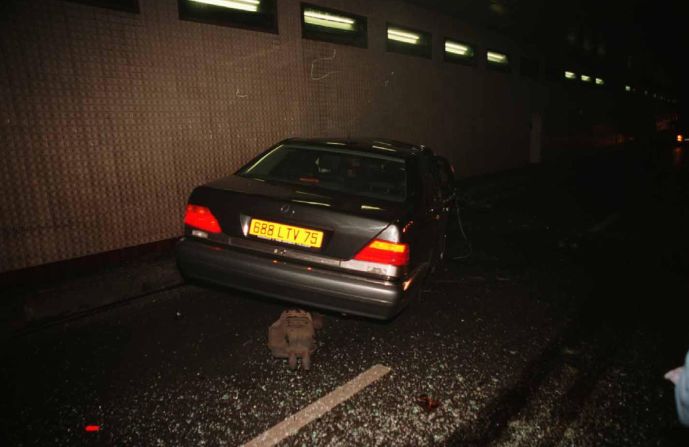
(347,222)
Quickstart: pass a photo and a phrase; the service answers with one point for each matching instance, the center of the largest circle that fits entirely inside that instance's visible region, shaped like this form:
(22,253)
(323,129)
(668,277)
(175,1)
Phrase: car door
(432,219)
(446,182)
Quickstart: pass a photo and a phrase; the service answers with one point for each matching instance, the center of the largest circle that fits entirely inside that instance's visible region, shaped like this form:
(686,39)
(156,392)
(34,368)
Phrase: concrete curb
(28,305)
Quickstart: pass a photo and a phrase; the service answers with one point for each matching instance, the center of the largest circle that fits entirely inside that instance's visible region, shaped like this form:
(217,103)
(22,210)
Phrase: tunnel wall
(109,119)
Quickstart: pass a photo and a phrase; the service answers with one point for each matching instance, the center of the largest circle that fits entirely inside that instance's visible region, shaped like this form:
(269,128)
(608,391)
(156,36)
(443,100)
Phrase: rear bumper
(293,282)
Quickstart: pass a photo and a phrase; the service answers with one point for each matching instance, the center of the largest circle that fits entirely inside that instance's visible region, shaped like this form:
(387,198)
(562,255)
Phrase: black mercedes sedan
(349,225)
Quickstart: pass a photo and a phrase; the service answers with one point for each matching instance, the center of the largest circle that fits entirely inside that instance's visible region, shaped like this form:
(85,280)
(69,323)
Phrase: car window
(352,172)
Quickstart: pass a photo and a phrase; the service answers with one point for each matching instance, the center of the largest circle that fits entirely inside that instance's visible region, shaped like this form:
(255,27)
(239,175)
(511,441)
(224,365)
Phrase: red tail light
(384,252)
(201,217)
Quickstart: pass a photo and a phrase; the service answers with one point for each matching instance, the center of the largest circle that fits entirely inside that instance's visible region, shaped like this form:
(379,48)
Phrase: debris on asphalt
(292,337)
(427,403)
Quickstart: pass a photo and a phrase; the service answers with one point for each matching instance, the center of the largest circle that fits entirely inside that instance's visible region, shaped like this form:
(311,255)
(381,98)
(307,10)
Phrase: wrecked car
(347,225)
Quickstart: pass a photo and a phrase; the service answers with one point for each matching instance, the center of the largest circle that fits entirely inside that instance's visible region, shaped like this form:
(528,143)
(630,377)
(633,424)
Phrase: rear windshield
(351,172)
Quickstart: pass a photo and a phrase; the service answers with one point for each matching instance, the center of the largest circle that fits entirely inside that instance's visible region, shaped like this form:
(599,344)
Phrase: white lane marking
(295,422)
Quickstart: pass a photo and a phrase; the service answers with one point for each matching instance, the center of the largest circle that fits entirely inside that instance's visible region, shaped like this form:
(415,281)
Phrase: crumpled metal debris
(292,337)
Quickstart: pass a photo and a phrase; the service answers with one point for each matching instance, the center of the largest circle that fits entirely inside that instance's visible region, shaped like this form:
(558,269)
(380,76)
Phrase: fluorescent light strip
(458,48)
(496,58)
(242,5)
(403,36)
(328,20)
(383,148)
(570,75)
(311,203)
(585,78)
(599,81)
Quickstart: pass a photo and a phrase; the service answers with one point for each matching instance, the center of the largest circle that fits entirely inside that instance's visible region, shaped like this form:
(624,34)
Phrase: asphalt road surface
(555,330)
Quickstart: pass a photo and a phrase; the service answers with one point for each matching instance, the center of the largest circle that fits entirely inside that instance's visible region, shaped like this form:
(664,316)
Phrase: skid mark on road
(294,423)
(497,415)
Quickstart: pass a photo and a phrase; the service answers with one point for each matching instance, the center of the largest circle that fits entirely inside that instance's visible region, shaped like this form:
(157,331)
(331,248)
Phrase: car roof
(376,145)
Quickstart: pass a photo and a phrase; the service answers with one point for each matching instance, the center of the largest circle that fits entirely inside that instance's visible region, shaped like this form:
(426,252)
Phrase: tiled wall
(108,119)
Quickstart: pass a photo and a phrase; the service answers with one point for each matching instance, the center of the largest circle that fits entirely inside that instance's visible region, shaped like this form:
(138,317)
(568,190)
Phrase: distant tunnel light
(496,58)
(627,88)
(585,78)
(570,75)
(318,18)
(400,35)
(242,5)
(600,81)
(458,49)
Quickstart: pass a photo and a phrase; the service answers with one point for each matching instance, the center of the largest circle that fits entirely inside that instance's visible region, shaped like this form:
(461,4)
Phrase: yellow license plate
(286,233)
